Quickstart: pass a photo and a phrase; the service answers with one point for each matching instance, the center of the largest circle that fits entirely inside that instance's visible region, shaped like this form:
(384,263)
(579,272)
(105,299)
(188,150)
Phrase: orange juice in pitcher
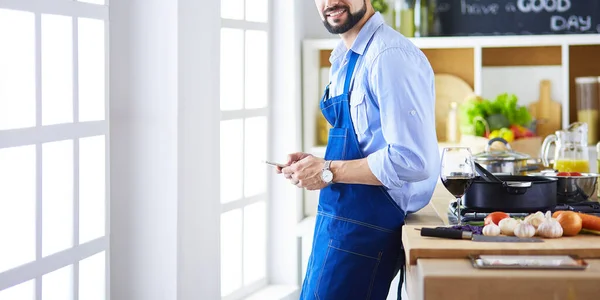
(570,149)
(572,165)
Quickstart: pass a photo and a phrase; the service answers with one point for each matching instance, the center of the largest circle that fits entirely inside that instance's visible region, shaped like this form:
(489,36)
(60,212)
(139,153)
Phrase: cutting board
(547,112)
(416,246)
(448,88)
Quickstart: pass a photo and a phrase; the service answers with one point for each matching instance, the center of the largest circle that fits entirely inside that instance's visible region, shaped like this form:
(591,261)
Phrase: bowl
(573,189)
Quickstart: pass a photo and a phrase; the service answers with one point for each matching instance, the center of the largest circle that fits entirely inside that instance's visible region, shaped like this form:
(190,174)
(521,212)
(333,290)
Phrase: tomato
(575,174)
(563,174)
(495,217)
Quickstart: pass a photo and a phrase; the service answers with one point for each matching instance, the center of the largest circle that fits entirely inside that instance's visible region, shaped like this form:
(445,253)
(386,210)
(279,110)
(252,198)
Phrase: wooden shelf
(521,56)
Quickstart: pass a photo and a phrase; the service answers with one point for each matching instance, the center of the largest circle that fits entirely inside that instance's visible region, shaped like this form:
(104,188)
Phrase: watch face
(327,176)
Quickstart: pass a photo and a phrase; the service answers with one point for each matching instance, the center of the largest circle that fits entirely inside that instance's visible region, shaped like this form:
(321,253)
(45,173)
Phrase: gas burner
(469,215)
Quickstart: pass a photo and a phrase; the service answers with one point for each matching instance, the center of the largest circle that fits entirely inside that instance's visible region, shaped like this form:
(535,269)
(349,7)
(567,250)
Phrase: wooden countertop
(435,214)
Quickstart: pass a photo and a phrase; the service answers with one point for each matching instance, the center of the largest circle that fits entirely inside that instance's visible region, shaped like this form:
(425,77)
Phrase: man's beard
(352,19)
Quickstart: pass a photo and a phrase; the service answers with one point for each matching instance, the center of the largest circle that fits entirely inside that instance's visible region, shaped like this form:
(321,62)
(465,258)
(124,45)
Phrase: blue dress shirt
(393,111)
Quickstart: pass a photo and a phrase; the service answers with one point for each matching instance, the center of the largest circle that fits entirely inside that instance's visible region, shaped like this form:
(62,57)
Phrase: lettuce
(504,104)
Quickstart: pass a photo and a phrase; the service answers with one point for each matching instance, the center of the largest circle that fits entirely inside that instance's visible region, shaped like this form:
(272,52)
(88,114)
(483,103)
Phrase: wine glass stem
(458,205)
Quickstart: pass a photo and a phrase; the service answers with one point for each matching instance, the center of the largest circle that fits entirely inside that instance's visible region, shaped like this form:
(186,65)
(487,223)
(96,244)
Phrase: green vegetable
(502,112)
(380,6)
(497,121)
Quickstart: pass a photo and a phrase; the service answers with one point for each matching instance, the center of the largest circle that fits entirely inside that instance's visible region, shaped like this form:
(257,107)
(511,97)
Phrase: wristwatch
(326,174)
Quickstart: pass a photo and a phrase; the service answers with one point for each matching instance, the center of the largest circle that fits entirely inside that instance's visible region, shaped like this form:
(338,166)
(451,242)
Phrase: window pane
(92,192)
(92,277)
(255,153)
(232,147)
(257,10)
(91,69)
(232,68)
(255,242)
(231,251)
(23,291)
(232,9)
(17,69)
(57,196)
(256,69)
(17,206)
(58,284)
(57,69)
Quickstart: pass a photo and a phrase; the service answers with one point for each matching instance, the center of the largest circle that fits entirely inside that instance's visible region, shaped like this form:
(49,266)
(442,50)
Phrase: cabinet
(489,64)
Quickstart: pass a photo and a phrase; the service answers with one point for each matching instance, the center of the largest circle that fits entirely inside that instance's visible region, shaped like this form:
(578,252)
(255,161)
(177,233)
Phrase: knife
(467,235)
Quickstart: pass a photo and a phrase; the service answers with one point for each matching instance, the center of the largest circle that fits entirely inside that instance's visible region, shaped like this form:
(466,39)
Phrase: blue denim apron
(357,247)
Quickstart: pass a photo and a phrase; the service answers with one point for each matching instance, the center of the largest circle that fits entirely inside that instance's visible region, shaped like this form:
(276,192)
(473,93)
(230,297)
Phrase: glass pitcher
(570,152)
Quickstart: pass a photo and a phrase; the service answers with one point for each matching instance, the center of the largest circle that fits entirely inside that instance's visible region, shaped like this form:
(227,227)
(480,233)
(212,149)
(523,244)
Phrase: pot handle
(544,151)
(516,188)
(497,139)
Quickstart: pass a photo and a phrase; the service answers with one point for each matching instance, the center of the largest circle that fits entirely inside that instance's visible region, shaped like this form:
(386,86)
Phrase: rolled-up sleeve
(402,83)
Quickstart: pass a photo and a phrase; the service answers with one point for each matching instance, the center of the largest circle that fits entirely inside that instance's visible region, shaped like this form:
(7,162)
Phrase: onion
(570,222)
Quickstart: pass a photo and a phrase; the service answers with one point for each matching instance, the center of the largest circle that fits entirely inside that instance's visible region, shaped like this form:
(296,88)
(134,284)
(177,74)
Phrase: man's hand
(292,158)
(306,173)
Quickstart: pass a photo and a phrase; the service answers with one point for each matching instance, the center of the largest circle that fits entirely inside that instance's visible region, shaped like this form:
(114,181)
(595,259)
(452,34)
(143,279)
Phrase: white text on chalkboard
(558,23)
(537,6)
(479,9)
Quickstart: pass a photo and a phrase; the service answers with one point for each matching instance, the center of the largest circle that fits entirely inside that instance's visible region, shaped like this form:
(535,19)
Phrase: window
(244,100)
(53,149)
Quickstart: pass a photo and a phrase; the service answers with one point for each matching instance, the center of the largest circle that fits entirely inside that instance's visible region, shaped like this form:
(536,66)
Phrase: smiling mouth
(336,12)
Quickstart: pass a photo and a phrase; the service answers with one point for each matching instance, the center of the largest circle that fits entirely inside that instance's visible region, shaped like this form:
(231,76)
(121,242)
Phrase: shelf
(482,41)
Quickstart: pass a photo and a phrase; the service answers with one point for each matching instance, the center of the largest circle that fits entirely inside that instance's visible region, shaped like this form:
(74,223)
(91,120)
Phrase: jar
(588,102)
(386,9)
(404,17)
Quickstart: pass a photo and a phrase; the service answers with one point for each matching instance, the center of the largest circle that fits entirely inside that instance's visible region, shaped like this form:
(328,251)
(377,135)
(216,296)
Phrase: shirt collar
(363,38)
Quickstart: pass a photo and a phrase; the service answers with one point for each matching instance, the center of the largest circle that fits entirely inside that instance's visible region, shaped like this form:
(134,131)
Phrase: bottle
(422,18)
(452,124)
(586,90)
(404,17)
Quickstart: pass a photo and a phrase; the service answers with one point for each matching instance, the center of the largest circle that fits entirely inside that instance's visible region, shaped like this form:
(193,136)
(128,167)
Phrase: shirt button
(413,112)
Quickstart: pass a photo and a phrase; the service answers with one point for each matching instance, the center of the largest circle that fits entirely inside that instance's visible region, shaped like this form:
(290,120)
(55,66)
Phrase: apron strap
(350,71)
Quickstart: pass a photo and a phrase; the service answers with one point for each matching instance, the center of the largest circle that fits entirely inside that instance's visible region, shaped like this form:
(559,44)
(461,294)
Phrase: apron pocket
(348,271)
(358,112)
(336,144)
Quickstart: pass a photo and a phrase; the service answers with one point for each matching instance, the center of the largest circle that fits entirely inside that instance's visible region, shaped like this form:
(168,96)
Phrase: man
(382,157)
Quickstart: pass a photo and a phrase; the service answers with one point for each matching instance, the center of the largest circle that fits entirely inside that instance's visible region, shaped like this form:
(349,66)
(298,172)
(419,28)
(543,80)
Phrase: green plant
(380,5)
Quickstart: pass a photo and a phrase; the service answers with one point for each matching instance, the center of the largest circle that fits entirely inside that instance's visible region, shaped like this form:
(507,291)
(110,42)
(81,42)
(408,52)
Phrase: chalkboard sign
(518,17)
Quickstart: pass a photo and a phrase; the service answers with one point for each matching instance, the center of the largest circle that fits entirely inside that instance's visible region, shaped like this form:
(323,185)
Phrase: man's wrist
(336,167)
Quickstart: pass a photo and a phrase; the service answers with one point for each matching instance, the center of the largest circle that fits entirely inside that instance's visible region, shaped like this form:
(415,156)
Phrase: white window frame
(70,131)
(243,114)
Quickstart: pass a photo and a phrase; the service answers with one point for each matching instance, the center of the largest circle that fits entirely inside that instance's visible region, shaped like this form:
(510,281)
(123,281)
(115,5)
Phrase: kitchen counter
(439,268)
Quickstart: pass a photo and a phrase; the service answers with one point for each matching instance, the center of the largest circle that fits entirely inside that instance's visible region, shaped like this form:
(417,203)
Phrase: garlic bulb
(535,219)
(507,226)
(524,230)
(550,228)
(491,230)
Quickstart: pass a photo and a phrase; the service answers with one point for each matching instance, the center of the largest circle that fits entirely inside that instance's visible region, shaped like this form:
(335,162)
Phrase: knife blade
(467,235)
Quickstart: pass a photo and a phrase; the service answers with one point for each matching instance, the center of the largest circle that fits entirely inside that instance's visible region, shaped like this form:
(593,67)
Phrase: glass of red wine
(457,173)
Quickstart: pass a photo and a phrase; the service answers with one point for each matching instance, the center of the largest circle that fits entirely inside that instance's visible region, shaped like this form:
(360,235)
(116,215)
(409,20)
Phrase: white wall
(164,193)
(310,22)
(143,149)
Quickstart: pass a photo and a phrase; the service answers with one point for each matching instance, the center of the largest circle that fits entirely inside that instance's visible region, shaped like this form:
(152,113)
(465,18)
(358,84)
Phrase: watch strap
(327,165)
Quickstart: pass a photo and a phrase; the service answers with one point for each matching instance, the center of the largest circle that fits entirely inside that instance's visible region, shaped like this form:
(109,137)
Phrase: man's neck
(350,36)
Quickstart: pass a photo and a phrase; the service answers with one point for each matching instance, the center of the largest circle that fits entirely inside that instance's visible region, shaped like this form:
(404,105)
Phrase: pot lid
(503,155)
(500,155)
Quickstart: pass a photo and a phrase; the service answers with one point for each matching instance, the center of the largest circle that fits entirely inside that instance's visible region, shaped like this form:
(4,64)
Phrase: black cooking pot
(514,194)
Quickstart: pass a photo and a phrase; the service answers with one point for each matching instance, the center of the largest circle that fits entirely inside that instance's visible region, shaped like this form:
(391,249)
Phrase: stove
(468,215)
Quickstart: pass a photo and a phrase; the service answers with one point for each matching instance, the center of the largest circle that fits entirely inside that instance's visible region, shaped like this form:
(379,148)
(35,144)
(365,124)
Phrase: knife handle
(445,233)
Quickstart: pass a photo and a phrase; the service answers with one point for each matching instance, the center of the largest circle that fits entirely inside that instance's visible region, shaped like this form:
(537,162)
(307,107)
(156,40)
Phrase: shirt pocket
(358,112)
